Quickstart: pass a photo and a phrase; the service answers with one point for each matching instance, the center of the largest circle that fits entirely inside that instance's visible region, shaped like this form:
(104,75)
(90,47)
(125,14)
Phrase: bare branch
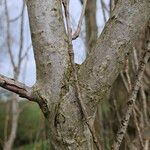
(102,66)
(103,10)
(125,82)
(127,74)
(8,36)
(142,92)
(77,32)
(129,87)
(26,52)
(16,18)
(131,101)
(138,128)
(16,87)
(21,37)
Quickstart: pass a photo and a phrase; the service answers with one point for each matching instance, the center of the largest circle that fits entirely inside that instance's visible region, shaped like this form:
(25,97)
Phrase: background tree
(16,71)
(18,65)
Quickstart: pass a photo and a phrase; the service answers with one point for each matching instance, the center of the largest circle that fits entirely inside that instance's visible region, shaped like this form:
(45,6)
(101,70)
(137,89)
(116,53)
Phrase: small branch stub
(16,87)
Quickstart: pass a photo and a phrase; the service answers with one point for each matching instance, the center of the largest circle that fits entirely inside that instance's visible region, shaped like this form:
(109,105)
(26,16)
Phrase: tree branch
(80,100)
(103,10)
(106,59)
(16,87)
(132,98)
(8,36)
(77,32)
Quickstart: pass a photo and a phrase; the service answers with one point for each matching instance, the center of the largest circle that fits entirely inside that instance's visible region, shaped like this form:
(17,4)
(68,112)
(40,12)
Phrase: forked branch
(77,85)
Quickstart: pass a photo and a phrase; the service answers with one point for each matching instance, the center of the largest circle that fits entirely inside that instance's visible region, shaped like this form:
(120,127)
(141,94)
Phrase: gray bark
(55,90)
(105,61)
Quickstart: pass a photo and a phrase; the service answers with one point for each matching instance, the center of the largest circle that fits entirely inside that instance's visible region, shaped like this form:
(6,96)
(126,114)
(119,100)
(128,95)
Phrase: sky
(28,70)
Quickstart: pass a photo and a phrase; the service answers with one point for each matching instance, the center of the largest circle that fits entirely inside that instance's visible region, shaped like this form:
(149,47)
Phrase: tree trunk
(15,116)
(14,123)
(91,25)
(55,90)
(55,86)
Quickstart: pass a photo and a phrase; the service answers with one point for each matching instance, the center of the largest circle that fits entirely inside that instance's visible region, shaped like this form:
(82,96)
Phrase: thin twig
(77,32)
(128,76)
(143,96)
(26,52)
(138,128)
(103,10)
(21,38)
(8,36)
(116,110)
(142,92)
(128,87)
(77,85)
(130,103)
(125,82)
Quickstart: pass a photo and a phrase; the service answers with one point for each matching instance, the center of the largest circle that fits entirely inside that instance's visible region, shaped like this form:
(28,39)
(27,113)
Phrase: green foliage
(30,125)
(30,122)
(41,145)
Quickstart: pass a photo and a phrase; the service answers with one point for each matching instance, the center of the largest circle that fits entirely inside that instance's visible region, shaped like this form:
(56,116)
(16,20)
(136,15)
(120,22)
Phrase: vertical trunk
(55,90)
(55,85)
(15,116)
(91,38)
(14,123)
(16,71)
(91,25)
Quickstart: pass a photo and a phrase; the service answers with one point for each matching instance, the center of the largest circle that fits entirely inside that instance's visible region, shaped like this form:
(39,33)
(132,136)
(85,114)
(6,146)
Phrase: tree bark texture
(55,90)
